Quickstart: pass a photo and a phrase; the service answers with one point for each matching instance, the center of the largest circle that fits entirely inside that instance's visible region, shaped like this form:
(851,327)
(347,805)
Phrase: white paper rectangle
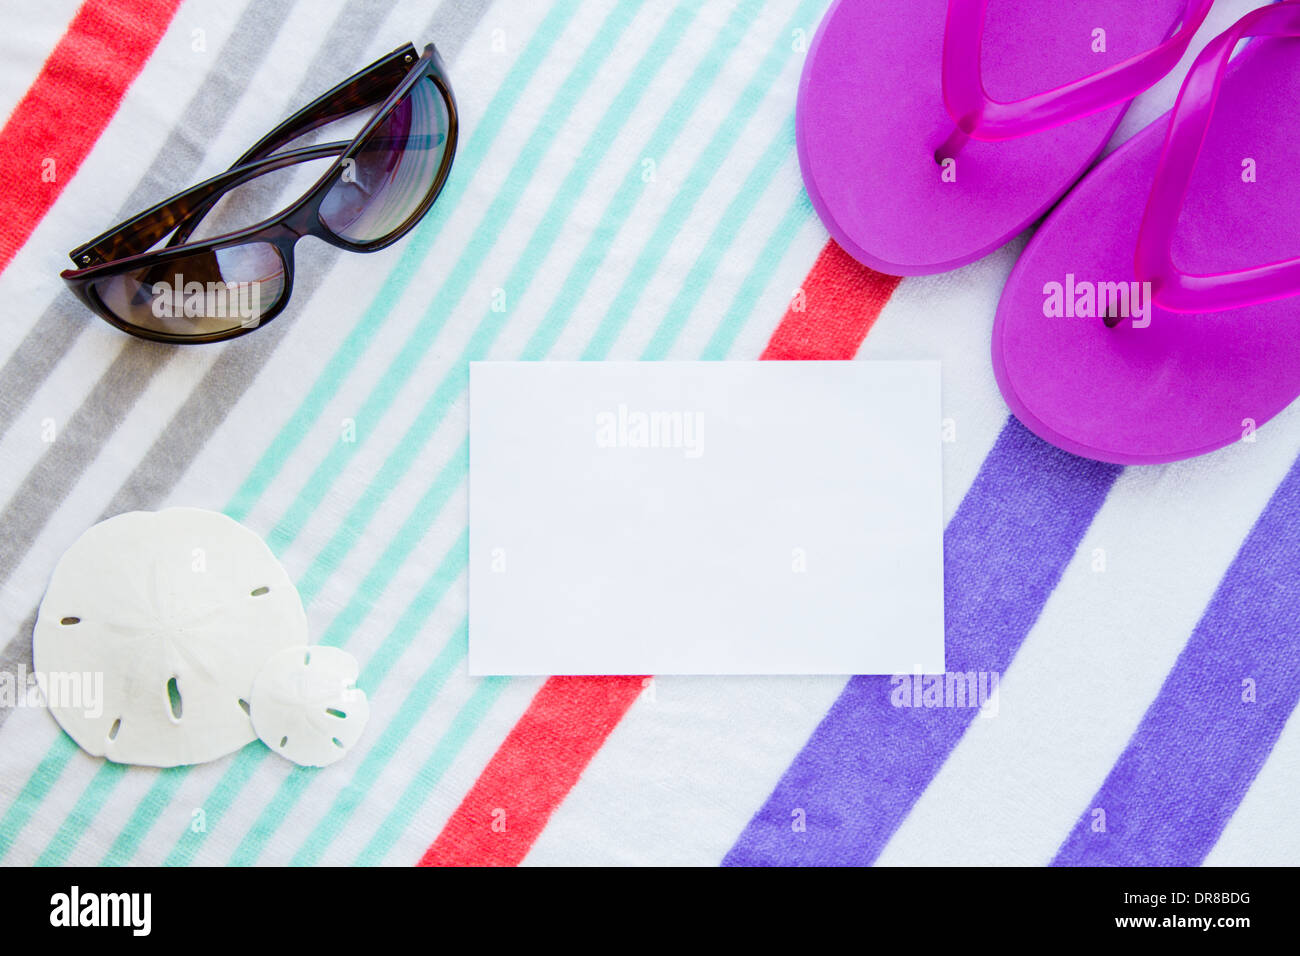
(705,518)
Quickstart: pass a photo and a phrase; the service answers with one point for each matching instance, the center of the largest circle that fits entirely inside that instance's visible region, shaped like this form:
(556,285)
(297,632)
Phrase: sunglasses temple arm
(370,87)
(140,233)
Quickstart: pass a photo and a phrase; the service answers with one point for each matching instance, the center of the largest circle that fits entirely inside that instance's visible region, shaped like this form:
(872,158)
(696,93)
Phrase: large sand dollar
(171,615)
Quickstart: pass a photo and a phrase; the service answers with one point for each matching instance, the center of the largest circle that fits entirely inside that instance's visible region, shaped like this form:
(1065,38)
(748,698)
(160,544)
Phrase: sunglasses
(379,185)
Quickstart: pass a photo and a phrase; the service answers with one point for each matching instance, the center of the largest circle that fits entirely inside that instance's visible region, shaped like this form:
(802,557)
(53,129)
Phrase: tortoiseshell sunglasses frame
(124,247)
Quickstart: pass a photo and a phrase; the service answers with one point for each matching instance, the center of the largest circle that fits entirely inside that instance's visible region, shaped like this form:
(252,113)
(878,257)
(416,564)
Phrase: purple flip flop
(909,186)
(1144,322)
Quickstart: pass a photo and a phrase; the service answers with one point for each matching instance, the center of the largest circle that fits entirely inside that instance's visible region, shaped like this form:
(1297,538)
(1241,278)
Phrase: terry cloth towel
(627,188)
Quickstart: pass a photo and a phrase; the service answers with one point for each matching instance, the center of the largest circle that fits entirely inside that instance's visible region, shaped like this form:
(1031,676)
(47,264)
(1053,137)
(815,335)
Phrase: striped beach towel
(626,188)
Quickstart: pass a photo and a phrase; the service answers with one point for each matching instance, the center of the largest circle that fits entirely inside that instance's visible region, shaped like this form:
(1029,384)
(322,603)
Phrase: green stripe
(40,783)
(413,618)
(774,250)
(711,159)
(214,807)
(91,801)
(404,542)
(507,199)
(629,191)
(154,803)
(293,787)
(731,222)
(426,778)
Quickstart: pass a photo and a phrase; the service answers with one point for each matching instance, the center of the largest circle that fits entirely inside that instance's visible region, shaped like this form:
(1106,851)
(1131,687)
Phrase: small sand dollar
(151,633)
(306,705)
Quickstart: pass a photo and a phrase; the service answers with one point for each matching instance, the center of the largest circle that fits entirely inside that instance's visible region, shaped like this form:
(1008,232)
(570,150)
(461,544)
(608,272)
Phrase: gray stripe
(193,424)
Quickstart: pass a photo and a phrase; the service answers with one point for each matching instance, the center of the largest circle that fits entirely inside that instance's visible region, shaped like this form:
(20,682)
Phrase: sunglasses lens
(203,294)
(393,172)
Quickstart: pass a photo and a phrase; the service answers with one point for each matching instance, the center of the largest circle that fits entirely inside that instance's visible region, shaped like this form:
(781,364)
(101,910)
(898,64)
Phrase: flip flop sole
(1184,384)
(870,116)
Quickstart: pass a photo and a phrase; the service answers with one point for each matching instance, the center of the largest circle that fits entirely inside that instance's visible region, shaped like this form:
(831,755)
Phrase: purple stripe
(1201,742)
(868,761)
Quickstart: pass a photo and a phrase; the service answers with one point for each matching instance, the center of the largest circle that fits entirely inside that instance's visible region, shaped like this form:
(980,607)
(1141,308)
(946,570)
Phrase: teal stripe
(422,605)
(42,780)
(154,803)
(414,797)
(413,708)
(455,382)
(629,191)
(376,669)
(774,250)
(426,778)
(730,224)
(293,787)
(434,411)
(214,808)
(710,160)
(535,253)
(91,801)
(507,199)
(408,537)
(416,248)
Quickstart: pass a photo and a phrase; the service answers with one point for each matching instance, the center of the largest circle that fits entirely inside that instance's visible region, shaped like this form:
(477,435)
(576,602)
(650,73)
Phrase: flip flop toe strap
(1173,289)
(981,117)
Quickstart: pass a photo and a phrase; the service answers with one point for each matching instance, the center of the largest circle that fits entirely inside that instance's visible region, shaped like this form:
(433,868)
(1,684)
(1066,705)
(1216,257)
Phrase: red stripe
(567,722)
(78,90)
(533,771)
(838,304)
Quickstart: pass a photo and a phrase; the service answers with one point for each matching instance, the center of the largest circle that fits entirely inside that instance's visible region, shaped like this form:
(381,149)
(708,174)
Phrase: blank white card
(705,518)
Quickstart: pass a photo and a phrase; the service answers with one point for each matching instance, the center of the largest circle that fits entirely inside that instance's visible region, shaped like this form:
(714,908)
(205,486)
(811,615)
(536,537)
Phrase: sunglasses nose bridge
(301,222)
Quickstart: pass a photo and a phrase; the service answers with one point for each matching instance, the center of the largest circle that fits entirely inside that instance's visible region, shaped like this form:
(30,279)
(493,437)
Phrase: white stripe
(26,42)
(1263,832)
